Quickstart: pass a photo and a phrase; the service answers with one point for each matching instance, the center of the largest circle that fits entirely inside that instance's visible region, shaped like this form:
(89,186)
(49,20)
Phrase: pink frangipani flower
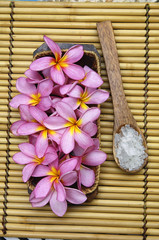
(73,128)
(30,95)
(80,98)
(60,65)
(53,187)
(91,79)
(35,77)
(29,157)
(38,126)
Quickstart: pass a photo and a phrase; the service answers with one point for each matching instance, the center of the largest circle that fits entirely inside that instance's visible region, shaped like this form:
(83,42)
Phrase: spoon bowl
(122,113)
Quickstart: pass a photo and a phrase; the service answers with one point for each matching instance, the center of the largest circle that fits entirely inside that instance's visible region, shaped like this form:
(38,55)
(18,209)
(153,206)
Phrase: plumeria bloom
(29,157)
(91,79)
(53,187)
(38,126)
(80,98)
(73,127)
(91,157)
(30,95)
(59,66)
(35,77)
(25,118)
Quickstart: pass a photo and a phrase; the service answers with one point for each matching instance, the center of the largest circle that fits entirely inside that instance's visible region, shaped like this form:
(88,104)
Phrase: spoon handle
(122,113)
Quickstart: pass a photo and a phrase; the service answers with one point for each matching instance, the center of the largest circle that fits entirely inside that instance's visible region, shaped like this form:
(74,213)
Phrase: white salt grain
(129,148)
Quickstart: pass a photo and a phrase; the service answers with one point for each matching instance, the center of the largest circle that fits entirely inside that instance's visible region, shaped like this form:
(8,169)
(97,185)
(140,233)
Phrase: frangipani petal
(67,87)
(59,208)
(69,178)
(44,104)
(29,128)
(65,111)
(55,136)
(41,171)
(43,187)
(90,115)
(67,141)
(74,71)
(68,165)
(73,102)
(28,149)
(15,126)
(21,158)
(43,201)
(34,76)
(49,158)
(27,171)
(74,54)
(83,139)
(41,63)
(45,88)
(41,144)
(57,75)
(24,87)
(92,78)
(75,196)
(94,158)
(61,194)
(18,100)
(53,47)
(90,128)
(55,123)
(87,176)
(25,113)
(38,114)
(76,92)
(99,96)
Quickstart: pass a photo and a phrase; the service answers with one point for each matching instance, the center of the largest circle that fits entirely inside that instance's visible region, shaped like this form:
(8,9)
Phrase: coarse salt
(129,148)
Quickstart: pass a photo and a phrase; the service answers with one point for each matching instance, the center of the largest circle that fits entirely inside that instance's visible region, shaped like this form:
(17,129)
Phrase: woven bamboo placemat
(127,206)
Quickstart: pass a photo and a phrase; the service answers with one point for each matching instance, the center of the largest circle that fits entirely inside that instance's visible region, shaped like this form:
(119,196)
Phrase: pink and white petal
(44,104)
(78,151)
(38,114)
(41,63)
(28,149)
(24,87)
(87,176)
(57,75)
(76,92)
(83,139)
(15,126)
(68,165)
(65,111)
(55,100)
(33,138)
(94,158)
(92,79)
(46,73)
(51,149)
(54,47)
(43,187)
(33,75)
(41,144)
(25,113)
(99,96)
(61,194)
(90,128)
(75,196)
(67,141)
(18,100)
(21,158)
(90,115)
(45,88)
(28,171)
(49,158)
(42,202)
(74,54)
(74,71)
(69,178)
(58,207)
(54,136)
(41,171)
(73,102)
(67,87)
(87,69)
(28,128)
(55,123)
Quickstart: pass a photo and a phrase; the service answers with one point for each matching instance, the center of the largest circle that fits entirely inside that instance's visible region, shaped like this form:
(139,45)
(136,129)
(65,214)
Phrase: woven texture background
(127,206)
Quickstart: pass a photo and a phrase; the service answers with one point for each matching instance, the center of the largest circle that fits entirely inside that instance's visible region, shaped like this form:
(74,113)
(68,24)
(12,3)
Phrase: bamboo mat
(127,206)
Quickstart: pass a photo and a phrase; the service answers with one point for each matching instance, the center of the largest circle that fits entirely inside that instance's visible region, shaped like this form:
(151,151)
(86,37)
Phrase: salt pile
(129,148)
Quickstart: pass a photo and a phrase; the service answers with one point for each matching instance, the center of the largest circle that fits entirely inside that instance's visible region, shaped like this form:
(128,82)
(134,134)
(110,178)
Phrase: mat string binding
(4,218)
(147,7)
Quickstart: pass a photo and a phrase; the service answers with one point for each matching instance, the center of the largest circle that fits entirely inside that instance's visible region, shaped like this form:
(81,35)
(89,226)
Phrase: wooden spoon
(122,113)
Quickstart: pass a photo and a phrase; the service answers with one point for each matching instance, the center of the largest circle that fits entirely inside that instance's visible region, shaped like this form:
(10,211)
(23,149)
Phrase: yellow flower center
(55,174)
(74,125)
(38,160)
(35,99)
(83,99)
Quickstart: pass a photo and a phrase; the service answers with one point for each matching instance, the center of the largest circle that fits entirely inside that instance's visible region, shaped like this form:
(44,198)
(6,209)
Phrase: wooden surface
(127,206)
